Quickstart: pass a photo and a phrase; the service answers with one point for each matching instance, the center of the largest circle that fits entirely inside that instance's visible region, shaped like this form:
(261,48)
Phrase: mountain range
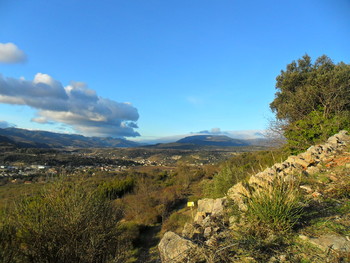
(44,139)
(23,138)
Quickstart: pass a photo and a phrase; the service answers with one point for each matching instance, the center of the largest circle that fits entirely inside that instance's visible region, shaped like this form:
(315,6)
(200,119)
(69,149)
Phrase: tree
(309,94)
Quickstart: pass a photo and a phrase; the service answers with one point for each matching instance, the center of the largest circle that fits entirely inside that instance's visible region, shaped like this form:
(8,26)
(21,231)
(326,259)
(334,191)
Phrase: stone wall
(307,162)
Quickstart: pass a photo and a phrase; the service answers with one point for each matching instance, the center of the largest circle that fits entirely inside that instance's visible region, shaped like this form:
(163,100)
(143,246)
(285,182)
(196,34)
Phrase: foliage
(275,209)
(150,204)
(314,128)
(239,168)
(224,180)
(176,221)
(116,188)
(305,87)
(67,223)
(186,174)
(8,241)
(312,101)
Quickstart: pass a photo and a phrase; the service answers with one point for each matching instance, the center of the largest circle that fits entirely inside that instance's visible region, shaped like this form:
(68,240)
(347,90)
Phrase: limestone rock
(236,193)
(192,231)
(329,241)
(199,217)
(173,248)
(207,232)
(309,157)
(297,160)
(212,206)
(259,181)
(312,170)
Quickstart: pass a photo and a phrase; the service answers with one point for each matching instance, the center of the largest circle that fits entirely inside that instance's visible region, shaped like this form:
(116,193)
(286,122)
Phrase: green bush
(314,128)
(8,241)
(116,188)
(67,222)
(176,221)
(224,180)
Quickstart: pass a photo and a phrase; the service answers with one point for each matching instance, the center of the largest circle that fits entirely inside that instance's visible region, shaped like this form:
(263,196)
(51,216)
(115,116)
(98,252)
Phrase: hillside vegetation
(294,211)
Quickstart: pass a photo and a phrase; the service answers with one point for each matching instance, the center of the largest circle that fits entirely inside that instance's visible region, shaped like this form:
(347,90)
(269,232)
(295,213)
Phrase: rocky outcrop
(209,226)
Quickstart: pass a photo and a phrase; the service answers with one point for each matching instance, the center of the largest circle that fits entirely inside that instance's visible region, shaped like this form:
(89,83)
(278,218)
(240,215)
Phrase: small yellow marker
(191,204)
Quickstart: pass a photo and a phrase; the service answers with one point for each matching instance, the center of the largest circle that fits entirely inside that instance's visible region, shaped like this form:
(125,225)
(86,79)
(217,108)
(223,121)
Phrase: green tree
(307,90)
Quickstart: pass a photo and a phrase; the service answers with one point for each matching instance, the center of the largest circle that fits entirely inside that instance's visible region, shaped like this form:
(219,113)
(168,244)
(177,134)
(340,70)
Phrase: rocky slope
(322,175)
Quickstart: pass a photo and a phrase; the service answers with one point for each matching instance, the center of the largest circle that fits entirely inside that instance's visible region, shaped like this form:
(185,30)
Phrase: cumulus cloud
(212,131)
(10,53)
(75,105)
(5,124)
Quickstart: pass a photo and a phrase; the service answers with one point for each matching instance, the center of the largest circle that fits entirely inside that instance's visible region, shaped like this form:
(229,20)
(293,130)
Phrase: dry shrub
(68,222)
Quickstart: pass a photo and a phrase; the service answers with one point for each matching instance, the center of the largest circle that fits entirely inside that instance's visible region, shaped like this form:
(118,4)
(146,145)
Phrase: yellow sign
(190,203)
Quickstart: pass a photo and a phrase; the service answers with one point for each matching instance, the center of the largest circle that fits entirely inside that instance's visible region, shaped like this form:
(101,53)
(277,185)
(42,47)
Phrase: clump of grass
(275,209)
(265,229)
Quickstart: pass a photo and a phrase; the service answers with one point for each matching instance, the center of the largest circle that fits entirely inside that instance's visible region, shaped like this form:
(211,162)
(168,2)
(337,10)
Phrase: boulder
(175,249)
(211,206)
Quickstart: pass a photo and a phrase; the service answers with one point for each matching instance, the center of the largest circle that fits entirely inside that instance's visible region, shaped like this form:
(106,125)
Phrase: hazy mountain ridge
(213,140)
(44,139)
(197,142)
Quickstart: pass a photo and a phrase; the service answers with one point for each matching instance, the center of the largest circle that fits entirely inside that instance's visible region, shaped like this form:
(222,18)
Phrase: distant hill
(202,141)
(43,139)
(213,140)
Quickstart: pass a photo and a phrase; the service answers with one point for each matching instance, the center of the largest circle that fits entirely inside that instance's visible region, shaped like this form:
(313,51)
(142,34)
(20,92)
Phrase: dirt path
(148,242)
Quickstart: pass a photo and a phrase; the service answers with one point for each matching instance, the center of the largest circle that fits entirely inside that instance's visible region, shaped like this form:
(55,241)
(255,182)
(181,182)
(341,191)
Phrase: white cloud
(75,105)
(10,53)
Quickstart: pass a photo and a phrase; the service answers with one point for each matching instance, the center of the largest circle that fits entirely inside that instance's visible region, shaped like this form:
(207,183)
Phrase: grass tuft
(277,208)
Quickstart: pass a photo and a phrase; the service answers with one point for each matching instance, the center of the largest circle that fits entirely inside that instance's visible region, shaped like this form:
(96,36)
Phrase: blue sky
(167,67)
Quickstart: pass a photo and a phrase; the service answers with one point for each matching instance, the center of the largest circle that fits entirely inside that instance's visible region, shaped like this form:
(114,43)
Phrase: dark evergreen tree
(312,100)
